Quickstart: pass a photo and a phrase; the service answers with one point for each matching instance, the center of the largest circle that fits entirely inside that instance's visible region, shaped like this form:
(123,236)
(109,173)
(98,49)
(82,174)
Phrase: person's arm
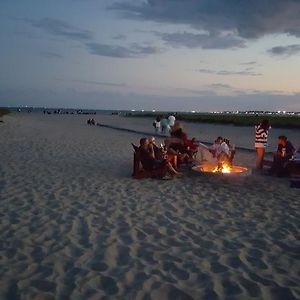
(151,151)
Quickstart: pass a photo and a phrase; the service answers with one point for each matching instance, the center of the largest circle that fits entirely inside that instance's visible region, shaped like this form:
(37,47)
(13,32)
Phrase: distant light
(153,110)
(143,110)
(283,111)
(133,110)
(193,111)
(278,111)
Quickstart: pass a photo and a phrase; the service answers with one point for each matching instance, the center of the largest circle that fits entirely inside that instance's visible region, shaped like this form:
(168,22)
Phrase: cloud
(246,19)
(199,92)
(63,29)
(225,72)
(51,55)
(243,73)
(119,37)
(220,85)
(285,50)
(120,51)
(207,71)
(204,41)
(248,63)
(100,83)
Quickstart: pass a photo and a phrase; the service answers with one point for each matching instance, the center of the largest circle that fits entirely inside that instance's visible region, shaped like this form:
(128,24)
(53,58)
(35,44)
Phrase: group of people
(222,150)
(154,158)
(283,158)
(178,149)
(91,122)
(164,124)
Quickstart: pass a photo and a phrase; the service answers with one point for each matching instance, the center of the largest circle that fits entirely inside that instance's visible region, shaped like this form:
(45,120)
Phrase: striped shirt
(261,136)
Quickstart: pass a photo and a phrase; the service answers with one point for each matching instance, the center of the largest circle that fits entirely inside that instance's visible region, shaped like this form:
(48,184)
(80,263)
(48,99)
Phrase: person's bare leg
(173,161)
(260,157)
(171,170)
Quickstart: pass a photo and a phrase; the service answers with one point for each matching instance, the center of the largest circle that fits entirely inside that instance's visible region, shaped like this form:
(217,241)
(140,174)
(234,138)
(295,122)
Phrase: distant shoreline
(288,120)
(276,121)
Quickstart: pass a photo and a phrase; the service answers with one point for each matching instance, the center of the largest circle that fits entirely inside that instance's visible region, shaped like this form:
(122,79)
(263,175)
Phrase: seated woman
(148,160)
(161,153)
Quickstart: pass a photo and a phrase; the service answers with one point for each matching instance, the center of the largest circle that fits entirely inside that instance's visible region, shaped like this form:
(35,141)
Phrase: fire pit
(224,169)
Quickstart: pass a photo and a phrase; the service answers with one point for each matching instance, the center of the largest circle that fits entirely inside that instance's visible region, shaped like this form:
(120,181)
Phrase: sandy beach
(76,225)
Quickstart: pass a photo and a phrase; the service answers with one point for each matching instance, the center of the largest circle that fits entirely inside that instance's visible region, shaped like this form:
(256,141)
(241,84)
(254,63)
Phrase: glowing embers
(225,169)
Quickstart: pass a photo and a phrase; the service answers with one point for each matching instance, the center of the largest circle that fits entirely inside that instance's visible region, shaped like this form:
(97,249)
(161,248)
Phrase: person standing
(164,123)
(156,124)
(261,141)
(171,120)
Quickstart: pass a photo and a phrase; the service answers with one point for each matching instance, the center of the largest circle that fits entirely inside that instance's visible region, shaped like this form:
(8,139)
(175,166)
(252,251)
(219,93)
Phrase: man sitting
(149,162)
(284,153)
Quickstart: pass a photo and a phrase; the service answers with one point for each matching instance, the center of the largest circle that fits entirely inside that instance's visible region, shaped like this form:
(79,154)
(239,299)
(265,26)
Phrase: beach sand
(75,225)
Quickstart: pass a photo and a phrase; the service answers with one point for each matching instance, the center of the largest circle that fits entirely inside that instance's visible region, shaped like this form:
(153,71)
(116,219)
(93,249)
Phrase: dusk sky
(202,55)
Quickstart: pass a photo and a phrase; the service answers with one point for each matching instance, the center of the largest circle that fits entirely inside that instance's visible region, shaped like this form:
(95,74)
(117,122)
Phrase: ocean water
(240,136)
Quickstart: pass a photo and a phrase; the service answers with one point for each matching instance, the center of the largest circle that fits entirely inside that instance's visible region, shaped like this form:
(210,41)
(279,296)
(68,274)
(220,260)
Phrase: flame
(222,168)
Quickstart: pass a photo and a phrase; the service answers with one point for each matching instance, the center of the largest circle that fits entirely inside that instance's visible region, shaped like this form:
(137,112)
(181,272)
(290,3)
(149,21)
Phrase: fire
(222,168)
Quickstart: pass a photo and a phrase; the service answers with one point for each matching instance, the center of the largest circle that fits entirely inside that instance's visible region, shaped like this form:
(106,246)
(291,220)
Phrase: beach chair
(139,172)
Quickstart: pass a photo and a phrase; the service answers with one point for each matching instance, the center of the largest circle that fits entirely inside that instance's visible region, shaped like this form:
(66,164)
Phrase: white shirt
(219,148)
(171,120)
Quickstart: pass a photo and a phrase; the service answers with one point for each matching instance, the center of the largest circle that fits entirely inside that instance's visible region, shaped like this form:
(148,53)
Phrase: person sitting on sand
(284,153)
(148,160)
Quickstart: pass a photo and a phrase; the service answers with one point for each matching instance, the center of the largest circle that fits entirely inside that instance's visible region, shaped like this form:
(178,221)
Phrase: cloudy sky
(202,55)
